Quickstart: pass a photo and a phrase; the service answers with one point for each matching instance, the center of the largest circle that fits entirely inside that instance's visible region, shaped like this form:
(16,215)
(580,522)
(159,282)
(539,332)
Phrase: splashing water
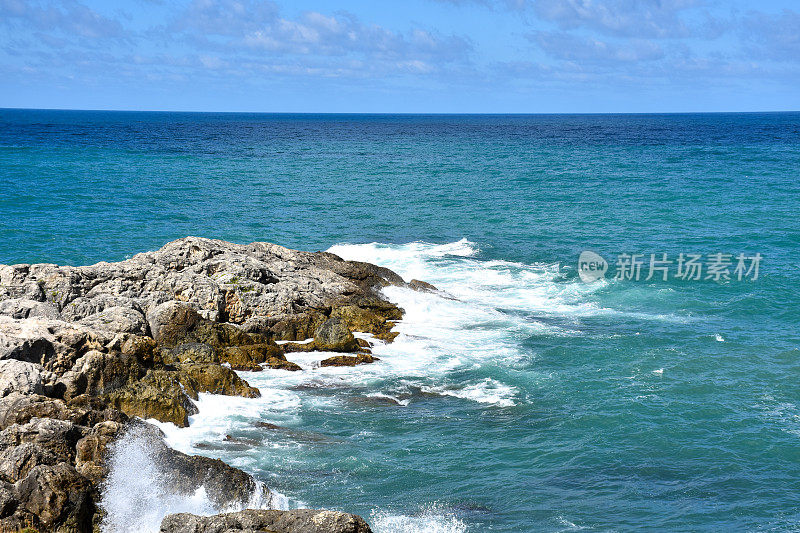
(432,519)
(135,495)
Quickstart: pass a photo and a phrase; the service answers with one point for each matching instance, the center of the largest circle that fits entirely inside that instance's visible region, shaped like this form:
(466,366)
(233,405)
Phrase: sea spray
(135,496)
(137,493)
(432,518)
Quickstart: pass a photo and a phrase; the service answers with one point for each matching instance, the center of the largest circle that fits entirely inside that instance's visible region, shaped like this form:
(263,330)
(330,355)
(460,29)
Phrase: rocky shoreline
(87,353)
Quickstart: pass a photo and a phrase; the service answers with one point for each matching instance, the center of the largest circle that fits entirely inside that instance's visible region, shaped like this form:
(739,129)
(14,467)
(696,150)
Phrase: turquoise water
(527,400)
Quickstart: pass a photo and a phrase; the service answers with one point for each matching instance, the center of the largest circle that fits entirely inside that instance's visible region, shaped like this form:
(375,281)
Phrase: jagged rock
(39,455)
(297,326)
(283,364)
(118,319)
(363,343)
(8,499)
(158,395)
(421,286)
(247,357)
(91,450)
(171,322)
(388,336)
(333,336)
(24,308)
(25,340)
(88,411)
(258,285)
(361,319)
(144,349)
(348,360)
(96,302)
(195,352)
(18,408)
(214,379)
(57,498)
(176,324)
(20,376)
(252,520)
(56,436)
(54,344)
(98,373)
(17,461)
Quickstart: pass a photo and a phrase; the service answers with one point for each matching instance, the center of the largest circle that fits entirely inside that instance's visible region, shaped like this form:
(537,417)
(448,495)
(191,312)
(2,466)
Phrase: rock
(389,336)
(83,347)
(348,360)
(363,344)
(18,408)
(158,395)
(91,450)
(54,344)
(214,379)
(251,520)
(20,376)
(8,500)
(118,319)
(283,364)
(259,284)
(24,308)
(144,349)
(176,324)
(361,319)
(422,286)
(17,461)
(266,425)
(88,411)
(247,357)
(194,352)
(58,497)
(25,340)
(55,436)
(98,373)
(172,321)
(333,336)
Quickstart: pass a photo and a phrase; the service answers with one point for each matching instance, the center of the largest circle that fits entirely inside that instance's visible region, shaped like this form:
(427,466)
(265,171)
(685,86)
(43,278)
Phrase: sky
(410,56)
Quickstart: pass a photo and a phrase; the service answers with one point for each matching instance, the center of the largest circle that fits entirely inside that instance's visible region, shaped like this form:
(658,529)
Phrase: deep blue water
(533,402)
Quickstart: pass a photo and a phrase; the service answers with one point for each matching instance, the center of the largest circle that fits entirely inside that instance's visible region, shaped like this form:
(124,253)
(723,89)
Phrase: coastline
(86,352)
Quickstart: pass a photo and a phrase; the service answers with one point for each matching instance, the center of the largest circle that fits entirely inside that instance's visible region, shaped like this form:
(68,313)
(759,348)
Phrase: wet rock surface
(348,360)
(297,521)
(86,350)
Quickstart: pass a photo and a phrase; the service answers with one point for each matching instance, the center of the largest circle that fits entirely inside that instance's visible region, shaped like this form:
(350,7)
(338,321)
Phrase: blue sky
(472,56)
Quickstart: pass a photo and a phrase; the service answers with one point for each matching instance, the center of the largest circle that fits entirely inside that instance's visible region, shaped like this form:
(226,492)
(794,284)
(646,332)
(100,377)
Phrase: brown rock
(91,450)
(283,364)
(389,336)
(348,360)
(143,349)
(251,520)
(158,395)
(422,286)
(58,497)
(334,336)
(214,379)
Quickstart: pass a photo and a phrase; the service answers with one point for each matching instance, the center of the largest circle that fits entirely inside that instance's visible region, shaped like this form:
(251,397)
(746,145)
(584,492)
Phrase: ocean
(519,397)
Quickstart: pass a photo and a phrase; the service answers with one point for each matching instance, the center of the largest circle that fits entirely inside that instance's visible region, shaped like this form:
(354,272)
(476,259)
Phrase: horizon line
(409,113)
